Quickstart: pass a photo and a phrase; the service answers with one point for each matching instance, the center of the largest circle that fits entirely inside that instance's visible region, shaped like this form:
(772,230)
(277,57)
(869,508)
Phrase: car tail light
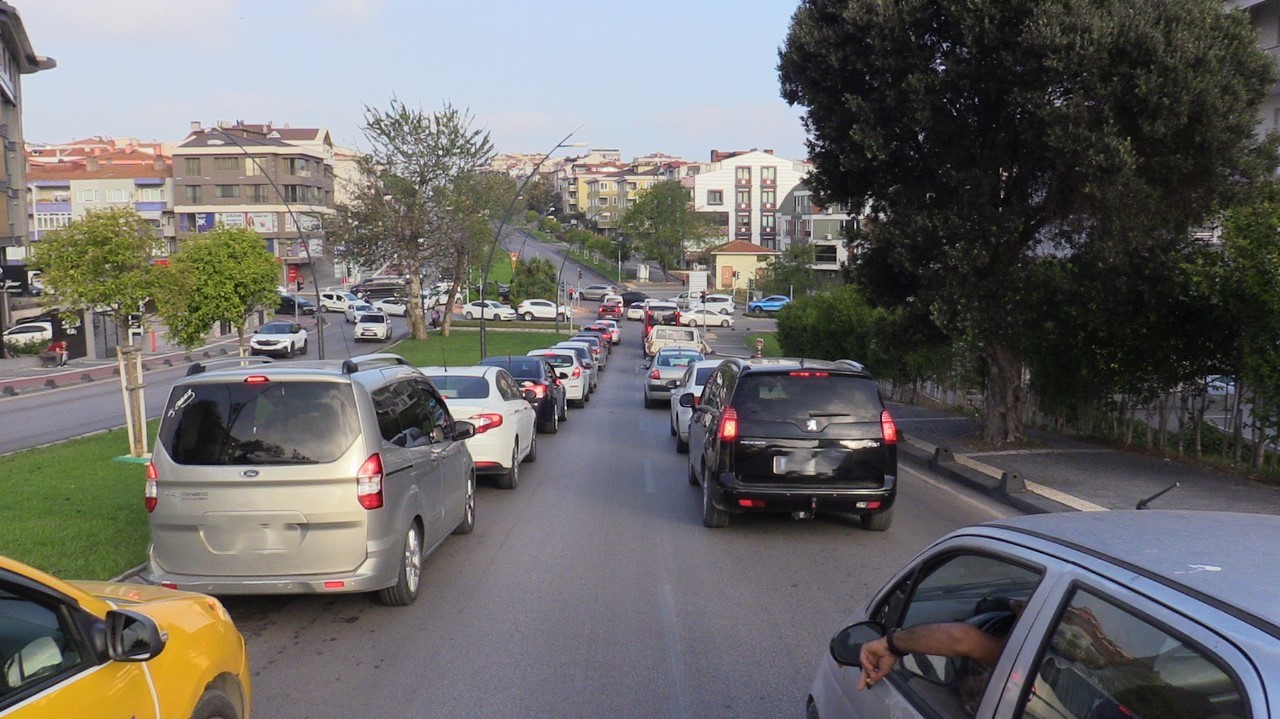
(577,372)
(256,379)
(485,421)
(655,375)
(728,425)
(807,373)
(887,428)
(539,390)
(751,503)
(369,482)
(150,494)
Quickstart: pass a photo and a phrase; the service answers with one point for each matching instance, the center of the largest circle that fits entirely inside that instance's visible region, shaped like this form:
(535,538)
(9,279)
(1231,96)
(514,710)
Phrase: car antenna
(1144,504)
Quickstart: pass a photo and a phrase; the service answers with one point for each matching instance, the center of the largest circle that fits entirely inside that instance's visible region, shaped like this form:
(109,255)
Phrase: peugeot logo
(811,425)
(249,473)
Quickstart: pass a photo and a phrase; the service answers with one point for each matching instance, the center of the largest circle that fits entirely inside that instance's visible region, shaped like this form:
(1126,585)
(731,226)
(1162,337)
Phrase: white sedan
(691,382)
(489,398)
(394,306)
(280,337)
(357,308)
(489,309)
(705,317)
(541,310)
(30,333)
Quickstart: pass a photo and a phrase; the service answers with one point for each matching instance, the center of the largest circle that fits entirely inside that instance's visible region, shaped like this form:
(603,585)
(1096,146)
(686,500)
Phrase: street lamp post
(497,236)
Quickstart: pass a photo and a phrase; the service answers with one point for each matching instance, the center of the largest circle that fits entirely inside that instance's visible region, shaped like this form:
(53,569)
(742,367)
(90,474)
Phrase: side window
(712,391)
(507,386)
(1104,661)
(440,421)
(980,590)
(37,644)
(385,409)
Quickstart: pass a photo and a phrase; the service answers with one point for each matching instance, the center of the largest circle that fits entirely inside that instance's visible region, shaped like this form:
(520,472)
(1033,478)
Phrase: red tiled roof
(742,247)
(77,171)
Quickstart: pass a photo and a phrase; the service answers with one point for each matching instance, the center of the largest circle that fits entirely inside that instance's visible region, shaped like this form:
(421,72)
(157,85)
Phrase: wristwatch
(893,648)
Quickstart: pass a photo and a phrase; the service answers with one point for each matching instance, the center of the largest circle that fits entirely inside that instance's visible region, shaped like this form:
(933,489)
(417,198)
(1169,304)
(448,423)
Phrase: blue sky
(681,77)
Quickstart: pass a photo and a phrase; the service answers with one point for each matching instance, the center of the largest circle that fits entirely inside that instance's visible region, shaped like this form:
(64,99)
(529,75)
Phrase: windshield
(276,328)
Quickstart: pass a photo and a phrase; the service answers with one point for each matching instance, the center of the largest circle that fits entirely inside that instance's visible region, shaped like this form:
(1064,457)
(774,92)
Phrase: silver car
(1094,615)
(668,365)
(339,476)
(690,383)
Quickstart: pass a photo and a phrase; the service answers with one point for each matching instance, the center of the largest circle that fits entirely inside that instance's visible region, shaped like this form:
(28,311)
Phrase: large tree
(221,276)
(407,205)
(660,221)
(991,136)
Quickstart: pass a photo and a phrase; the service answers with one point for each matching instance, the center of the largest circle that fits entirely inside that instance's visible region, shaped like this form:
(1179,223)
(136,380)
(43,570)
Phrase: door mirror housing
(562,375)
(686,399)
(529,395)
(673,383)
(132,637)
(846,645)
(463,430)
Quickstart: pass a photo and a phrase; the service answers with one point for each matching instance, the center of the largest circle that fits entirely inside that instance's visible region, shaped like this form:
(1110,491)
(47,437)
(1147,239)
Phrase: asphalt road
(593,590)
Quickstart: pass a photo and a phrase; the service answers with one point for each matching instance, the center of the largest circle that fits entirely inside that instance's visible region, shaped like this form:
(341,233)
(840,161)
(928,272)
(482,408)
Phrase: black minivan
(792,435)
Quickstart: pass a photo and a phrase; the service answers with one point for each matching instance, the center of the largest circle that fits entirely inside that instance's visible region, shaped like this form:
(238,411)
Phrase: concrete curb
(131,576)
(1001,486)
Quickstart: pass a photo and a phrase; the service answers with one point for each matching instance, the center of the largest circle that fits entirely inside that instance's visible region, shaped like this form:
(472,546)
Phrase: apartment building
(17,58)
(805,222)
(278,181)
(741,191)
(570,177)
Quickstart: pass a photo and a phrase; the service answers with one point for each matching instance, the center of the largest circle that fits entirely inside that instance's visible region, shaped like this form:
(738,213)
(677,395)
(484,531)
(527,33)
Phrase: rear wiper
(830,414)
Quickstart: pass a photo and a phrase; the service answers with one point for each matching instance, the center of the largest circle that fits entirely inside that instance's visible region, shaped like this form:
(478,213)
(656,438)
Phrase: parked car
(355,309)
(772,303)
(494,289)
(573,375)
(697,316)
(541,310)
(491,400)
(667,366)
(336,300)
(251,460)
(1089,614)
(615,332)
(534,373)
(596,292)
(372,326)
(690,383)
(630,298)
(715,302)
(587,358)
(635,311)
(658,313)
(612,298)
(663,336)
(379,288)
(92,649)
(394,306)
(295,305)
(609,310)
(793,435)
(489,309)
(30,333)
(279,337)
(599,353)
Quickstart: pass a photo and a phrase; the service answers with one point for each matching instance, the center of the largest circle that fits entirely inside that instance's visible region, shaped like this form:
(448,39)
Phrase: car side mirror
(132,637)
(686,399)
(562,375)
(529,395)
(846,645)
(673,383)
(463,429)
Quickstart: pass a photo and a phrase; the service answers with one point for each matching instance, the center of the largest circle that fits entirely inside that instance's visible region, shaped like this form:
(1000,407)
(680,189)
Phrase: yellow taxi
(104,649)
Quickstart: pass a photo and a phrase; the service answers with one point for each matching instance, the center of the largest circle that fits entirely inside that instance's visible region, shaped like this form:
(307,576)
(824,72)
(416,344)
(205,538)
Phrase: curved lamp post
(497,236)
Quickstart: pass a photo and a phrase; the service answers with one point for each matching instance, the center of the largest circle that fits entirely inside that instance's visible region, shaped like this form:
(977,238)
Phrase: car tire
(532,456)
(877,522)
(693,478)
(648,403)
(469,316)
(288,354)
(408,579)
(564,411)
(586,398)
(712,516)
(528,317)
(673,427)
(214,704)
(682,445)
(724,322)
(553,425)
(510,479)
(304,347)
(560,317)
(468,523)
(693,322)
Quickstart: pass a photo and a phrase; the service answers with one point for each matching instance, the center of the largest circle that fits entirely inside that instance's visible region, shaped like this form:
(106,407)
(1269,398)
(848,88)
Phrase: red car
(609,310)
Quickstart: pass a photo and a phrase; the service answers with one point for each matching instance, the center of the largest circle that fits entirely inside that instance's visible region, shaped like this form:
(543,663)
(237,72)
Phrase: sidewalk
(1060,473)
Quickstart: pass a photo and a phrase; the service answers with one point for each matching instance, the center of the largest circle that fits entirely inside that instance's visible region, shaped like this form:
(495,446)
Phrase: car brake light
(150,494)
(539,390)
(577,372)
(655,375)
(485,421)
(728,424)
(369,482)
(256,379)
(887,428)
(807,373)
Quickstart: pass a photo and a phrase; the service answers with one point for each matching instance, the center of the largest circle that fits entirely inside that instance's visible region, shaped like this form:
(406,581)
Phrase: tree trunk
(413,312)
(1183,408)
(1199,406)
(1237,426)
(1005,395)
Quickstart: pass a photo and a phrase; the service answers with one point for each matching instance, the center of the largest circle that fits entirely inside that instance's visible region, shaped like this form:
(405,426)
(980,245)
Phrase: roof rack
(369,361)
(202,367)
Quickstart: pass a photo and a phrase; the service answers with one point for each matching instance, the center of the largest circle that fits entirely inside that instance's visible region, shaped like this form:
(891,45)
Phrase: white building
(742,192)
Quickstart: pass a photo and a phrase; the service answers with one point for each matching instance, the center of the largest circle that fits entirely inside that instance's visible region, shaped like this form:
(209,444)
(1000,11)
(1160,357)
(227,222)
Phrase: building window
(744,197)
(768,197)
(192,194)
(226,191)
(149,194)
(260,193)
(613,201)
(251,166)
(768,222)
(191,165)
(768,174)
(86,195)
(299,167)
(825,254)
(743,173)
(297,193)
(115,196)
(52,220)
(715,197)
(802,202)
(744,221)
(226,164)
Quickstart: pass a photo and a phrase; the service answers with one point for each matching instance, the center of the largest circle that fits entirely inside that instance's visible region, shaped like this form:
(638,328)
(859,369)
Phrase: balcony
(743,233)
(769,206)
(744,206)
(768,183)
(768,232)
(743,182)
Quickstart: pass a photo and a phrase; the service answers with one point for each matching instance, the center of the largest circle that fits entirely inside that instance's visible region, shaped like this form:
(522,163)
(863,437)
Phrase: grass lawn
(771,347)
(462,347)
(71,511)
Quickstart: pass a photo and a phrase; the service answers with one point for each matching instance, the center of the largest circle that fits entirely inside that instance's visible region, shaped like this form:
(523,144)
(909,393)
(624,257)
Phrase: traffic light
(579,273)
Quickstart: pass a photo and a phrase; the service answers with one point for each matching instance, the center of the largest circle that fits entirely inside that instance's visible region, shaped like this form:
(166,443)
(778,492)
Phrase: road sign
(759,347)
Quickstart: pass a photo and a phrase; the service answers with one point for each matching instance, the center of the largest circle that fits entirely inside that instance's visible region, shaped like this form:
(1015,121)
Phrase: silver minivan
(321,477)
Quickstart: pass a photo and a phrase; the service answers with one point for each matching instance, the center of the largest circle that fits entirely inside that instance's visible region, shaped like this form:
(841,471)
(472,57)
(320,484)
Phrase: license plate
(798,462)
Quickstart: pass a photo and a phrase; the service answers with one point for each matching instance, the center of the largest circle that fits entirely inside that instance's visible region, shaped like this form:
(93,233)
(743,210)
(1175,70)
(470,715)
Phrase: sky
(676,76)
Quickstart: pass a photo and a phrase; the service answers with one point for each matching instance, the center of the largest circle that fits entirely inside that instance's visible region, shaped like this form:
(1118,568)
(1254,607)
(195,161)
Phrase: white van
(336,300)
(665,335)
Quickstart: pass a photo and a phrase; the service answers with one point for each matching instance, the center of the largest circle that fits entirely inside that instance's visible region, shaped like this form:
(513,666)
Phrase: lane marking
(999,511)
(1064,450)
(677,705)
(1082,505)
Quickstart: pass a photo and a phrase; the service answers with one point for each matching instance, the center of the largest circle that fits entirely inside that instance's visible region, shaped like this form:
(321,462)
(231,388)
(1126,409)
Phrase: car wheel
(712,516)
(879,521)
(564,411)
(468,523)
(724,323)
(586,397)
(673,427)
(682,445)
(510,479)
(552,425)
(648,403)
(405,590)
(693,322)
(560,317)
(214,704)
(304,347)
(470,316)
(288,353)
(532,456)
(693,478)
(528,317)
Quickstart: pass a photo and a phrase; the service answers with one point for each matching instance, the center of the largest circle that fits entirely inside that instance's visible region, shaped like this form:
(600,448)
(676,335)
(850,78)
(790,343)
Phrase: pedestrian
(435,318)
(58,348)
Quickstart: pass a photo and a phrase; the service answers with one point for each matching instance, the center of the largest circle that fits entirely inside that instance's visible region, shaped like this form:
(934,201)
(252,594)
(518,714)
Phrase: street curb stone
(980,477)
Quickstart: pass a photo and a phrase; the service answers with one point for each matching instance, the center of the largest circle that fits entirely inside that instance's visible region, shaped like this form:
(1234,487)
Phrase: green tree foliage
(660,221)
(790,272)
(992,136)
(221,276)
(100,260)
(410,208)
(533,279)
(540,196)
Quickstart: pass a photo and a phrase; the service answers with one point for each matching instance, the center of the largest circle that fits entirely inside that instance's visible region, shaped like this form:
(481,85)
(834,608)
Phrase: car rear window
(807,394)
(372,318)
(519,367)
(461,387)
(664,333)
(677,359)
(235,423)
(558,360)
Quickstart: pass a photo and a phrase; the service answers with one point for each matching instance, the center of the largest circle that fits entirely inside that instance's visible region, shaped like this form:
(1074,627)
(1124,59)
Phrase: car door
(452,459)
(704,422)
(414,485)
(517,408)
(48,669)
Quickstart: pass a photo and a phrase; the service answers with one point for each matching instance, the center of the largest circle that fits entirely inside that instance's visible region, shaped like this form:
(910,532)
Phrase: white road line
(902,420)
(995,512)
(1003,452)
(1064,498)
(678,705)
